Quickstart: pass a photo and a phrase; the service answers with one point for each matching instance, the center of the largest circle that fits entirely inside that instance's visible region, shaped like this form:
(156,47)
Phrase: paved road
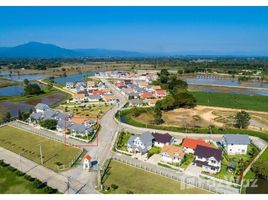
(53,179)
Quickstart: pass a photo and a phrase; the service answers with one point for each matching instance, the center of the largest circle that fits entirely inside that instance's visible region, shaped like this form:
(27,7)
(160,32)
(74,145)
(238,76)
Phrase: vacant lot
(55,154)
(91,111)
(239,101)
(204,116)
(133,180)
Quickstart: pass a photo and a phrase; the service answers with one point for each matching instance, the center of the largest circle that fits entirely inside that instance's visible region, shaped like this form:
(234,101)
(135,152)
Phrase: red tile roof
(192,143)
(146,95)
(161,92)
(88,157)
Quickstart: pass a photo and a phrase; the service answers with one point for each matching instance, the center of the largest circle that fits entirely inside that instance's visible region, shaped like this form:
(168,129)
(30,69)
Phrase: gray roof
(136,101)
(42,106)
(80,128)
(236,139)
(133,94)
(146,138)
(94,96)
(36,116)
(64,124)
(50,114)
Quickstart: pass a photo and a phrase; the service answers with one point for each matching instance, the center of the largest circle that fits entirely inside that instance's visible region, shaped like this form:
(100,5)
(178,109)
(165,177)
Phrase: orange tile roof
(192,143)
(156,87)
(79,119)
(161,92)
(79,95)
(173,151)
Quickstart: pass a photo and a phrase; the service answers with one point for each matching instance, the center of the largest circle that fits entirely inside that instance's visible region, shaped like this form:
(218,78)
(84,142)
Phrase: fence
(189,181)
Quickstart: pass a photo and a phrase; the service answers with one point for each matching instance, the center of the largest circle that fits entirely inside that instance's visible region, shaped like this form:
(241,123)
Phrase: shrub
(12,168)
(50,190)
(19,173)
(29,178)
(114,186)
(38,184)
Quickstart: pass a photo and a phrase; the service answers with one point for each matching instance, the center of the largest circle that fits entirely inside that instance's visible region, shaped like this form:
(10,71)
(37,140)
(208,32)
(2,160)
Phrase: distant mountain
(36,50)
(41,50)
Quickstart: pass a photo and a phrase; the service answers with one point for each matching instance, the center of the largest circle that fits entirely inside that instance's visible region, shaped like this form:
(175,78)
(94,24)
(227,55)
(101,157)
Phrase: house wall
(236,149)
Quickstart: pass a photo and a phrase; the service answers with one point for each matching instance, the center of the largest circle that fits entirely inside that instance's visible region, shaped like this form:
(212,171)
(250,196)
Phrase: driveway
(193,170)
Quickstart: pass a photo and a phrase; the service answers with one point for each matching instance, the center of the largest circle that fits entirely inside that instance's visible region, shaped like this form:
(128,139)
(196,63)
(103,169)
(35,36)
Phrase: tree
(260,167)
(184,99)
(242,119)
(175,84)
(26,82)
(32,89)
(114,186)
(158,115)
(20,115)
(49,124)
(8,116)
(167,103)
(163,76)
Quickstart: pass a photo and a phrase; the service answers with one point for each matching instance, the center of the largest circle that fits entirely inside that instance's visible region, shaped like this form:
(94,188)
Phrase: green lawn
(11,183)
(122,140)
(188,159)
(130,179)
(237,101)
(27,144)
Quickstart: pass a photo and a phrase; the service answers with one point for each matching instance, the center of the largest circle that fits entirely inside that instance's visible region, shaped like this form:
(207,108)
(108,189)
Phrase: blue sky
(154,29)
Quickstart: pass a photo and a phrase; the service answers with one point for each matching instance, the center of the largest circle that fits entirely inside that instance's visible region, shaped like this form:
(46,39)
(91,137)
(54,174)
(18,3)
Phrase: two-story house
(236,143)
(209,159)
(141,144)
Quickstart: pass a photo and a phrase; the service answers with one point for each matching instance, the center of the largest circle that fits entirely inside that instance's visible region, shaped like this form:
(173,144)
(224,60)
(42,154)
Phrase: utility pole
(41,154)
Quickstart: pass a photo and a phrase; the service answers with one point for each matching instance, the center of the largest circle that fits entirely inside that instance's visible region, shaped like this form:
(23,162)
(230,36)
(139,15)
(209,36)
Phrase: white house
(236,143)
(170,153)
(41,107)
(141,144)
(209,159)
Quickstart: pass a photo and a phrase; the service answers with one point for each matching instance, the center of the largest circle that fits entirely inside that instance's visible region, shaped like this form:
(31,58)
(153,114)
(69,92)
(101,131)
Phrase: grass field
(55,154)
(238,101)
(130,179)
(10,183)
(6,82)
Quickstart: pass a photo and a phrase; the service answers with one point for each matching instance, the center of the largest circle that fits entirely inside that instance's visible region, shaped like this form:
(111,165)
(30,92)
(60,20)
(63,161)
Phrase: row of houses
(207,156)
(74,125)
(146,76)
(91,91)
(140,92)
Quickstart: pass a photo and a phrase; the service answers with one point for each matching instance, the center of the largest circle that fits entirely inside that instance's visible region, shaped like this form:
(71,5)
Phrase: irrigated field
(132,180)
(55,154)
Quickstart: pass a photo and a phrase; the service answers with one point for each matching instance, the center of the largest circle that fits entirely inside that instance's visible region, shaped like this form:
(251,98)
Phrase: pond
(15,90)
(21,77)
(11,91)
(73,78)
(14,107)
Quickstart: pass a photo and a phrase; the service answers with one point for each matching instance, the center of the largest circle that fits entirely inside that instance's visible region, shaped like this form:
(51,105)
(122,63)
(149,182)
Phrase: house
(41,107)
(35,117)
(143,84)
(91,84)
(87,162)
(209,159)
(109,98)
(160,93)
(133,95)
(156,87)
(80,129)
(97,92)
(136,102)
(93,97)
(190,144)
(170,153)
(152,102)
(236,143)
(162,139)
(146,95)
(141,144)
(69,85)
(80,97)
